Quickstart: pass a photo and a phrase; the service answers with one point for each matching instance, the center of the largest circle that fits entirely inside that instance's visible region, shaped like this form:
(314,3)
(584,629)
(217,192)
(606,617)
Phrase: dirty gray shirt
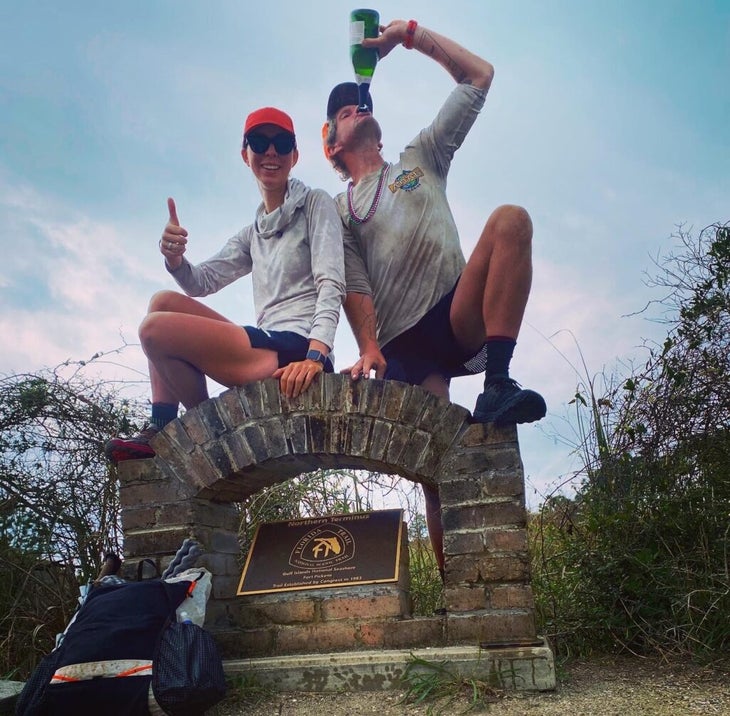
(408,255)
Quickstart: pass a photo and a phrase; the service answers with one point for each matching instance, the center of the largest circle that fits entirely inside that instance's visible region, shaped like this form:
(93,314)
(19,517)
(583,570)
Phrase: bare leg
(437,385)
(494,287)
(185,341)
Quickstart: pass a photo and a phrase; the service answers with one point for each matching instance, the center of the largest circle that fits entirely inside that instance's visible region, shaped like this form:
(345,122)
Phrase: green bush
(639,560)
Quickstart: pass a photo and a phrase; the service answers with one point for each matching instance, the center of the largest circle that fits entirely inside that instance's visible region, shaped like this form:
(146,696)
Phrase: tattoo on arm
(430,46)
(362,320)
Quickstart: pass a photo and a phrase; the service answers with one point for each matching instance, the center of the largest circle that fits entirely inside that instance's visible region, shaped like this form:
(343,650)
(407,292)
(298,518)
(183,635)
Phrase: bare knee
(149,330)
(510,222)
(436,383)
(164,301)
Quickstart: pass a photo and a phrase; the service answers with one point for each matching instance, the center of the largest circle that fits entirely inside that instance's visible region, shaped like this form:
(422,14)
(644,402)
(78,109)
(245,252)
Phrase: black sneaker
(504,402)
(135,448)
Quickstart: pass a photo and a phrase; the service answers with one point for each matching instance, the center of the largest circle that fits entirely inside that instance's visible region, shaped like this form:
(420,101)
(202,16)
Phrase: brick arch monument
(231,446)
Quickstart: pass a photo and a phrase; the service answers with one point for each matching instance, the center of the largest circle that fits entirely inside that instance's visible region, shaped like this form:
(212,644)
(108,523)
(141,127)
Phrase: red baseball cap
(268,115)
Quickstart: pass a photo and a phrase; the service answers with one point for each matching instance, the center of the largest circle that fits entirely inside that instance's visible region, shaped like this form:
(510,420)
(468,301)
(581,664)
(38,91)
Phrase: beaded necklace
(354,218)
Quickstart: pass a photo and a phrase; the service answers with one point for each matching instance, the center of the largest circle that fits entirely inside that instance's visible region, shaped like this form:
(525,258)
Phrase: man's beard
(366,130)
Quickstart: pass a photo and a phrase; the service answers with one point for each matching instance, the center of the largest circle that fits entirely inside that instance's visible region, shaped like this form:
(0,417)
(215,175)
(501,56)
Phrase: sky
(607,121)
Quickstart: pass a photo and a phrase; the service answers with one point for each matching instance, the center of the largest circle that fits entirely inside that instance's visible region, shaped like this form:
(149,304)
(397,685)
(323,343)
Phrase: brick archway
(251,437)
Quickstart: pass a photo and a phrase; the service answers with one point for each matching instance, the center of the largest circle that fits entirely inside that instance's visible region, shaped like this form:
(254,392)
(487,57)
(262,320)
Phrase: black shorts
(430,347)
(289,346)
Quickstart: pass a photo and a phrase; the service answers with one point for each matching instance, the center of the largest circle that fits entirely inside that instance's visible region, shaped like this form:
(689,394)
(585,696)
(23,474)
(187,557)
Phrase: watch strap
(318,356)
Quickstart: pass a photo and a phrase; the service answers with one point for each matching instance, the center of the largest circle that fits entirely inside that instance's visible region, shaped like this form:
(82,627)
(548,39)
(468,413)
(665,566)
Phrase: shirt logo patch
(407,180)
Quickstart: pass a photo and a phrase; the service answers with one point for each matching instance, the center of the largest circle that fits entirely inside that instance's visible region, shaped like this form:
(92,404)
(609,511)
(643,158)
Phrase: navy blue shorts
(430,347)
(288,345)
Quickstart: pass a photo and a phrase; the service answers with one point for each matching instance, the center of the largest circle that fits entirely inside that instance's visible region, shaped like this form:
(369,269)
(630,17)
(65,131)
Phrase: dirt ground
(599,687)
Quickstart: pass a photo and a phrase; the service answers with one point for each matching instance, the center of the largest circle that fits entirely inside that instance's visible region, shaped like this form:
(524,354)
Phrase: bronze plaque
(318,552)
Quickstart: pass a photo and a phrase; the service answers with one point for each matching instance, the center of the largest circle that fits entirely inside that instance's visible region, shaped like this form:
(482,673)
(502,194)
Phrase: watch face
(316,355)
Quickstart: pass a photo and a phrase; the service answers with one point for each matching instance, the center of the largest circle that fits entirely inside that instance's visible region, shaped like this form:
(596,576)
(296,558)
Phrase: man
(419,311)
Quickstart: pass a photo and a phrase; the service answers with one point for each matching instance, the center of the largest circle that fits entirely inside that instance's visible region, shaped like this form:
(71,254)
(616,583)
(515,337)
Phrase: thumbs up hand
(174,238)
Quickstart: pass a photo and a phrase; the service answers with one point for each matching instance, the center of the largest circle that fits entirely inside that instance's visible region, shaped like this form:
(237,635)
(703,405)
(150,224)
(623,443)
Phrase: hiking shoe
(135,448)
(504,402)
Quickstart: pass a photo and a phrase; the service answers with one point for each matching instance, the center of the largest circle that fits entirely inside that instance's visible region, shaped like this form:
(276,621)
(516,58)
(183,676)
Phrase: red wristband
(410,34)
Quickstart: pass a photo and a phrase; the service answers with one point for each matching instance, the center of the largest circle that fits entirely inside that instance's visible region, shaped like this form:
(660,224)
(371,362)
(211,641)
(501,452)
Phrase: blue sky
(607,121)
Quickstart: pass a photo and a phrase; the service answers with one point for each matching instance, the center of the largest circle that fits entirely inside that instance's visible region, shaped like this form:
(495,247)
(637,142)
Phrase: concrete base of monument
(515,668)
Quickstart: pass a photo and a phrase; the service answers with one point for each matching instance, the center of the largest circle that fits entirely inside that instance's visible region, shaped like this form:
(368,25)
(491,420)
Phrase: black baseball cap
(344,94)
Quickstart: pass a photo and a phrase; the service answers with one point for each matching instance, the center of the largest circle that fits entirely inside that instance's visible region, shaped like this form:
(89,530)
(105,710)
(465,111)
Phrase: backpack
(108,654)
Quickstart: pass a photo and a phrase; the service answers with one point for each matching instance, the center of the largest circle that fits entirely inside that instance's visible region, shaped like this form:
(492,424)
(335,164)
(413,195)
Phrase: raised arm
(464,66)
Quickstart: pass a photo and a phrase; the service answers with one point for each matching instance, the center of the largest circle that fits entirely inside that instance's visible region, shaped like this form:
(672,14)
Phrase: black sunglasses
(283,143)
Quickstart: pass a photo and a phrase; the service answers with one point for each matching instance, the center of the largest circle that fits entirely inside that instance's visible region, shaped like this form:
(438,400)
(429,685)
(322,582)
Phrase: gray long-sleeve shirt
(295,258)
(408,255)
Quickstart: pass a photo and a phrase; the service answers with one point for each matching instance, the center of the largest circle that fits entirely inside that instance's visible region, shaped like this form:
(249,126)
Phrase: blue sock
(499,355)
(163,413)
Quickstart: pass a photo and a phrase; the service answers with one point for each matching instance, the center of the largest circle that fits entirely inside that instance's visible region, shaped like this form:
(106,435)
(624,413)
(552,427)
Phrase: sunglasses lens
(258,143)
(283,143)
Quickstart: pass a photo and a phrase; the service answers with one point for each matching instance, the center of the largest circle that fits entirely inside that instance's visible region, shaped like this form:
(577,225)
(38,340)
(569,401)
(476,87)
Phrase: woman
(294,254)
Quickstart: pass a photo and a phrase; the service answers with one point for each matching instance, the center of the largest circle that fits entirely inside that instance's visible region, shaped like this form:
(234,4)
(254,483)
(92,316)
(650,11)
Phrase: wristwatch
(318,356)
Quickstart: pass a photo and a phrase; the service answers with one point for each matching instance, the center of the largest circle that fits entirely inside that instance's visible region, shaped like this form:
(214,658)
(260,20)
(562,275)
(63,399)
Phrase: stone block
(215,514)
(406,633)
(446,424)
(238,450)
(367,608)
(491,627)
(456,488)
(249,614)
(381,433)
(221,565)
(195,471)
(318,431)
(492,540)
(134,518)
(316,638)
(213,418)
(394,395)
(249,642)
(334,389)
(490,514)
(296,428)
(413,406)
(216,615)
(232,409)
(471,542)
(415,450)
(225,586)
(336,434)
(465,598)
(257,443)
(478,461)
(371,396)
(399,437)
(488,435)
(358,430)
(150,493)
(276,439)
(192,421)
(254,399)
(485,569)
(511,596)
(223,541)
(219,458)
(154,542)
(176,513)
(177,435)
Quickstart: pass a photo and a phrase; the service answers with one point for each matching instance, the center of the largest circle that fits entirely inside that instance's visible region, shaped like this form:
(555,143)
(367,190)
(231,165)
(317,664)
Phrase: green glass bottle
(363,23)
